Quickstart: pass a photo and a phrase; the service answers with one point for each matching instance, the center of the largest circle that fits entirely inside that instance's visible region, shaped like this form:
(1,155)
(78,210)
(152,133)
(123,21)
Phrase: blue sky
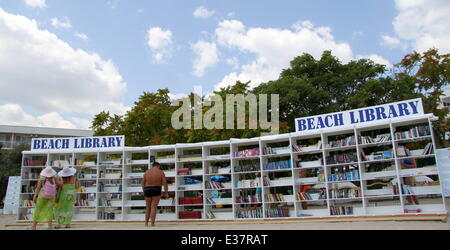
(206,43)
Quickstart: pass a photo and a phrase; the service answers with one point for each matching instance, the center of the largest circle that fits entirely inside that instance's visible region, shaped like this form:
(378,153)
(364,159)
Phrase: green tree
(429,73)
(10,165)
(312,87)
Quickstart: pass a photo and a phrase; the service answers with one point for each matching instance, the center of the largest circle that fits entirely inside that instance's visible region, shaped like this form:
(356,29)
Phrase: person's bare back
(154,177)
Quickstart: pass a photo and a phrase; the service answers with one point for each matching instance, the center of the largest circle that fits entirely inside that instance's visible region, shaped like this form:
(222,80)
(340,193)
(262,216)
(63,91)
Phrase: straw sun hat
(67,171)
(48,172)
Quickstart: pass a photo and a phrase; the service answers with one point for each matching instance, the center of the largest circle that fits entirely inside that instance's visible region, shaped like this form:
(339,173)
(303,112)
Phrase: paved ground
(7,222)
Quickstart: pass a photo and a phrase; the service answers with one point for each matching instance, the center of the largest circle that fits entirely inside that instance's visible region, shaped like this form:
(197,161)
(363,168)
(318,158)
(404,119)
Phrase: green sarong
(43,211)
(64,210)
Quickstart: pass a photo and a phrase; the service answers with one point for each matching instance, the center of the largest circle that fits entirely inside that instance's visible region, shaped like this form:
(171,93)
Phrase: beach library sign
(363,115)
(78,144)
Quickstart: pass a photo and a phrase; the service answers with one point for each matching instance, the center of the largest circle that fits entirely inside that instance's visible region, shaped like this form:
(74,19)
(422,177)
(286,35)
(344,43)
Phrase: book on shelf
(279,150)
(253,212)
(378,139)
(341,210)
(106,215)
(210,215)
(344,174)
(278,165)
(184,171)
(34,162)
(277,212)
(190,215)
(417,131)
(304,148)
(248,183)
(274,197)
(247,168)
(349,141)
(247,153)
(342,193)
(190,158)
(266,181)
(342,158)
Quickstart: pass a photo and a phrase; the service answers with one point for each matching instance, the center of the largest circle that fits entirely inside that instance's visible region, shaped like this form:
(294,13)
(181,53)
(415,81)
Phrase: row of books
(190,157)
(213,185)
(266,181)
(256,198)
(311,195)
(341,210)
(428,149)
(247,168)
(277,212)
(82,203)
(190,214)
(344,175)
(303,148)
(274,197)
(253,212)
(349,141)
(378,139)
(34,162)
(278,165)
(248,183)
(414,132)
(279,150)
(110,174)
(30,176)
(336,193)
(106,215)
(342,158)
(247,153)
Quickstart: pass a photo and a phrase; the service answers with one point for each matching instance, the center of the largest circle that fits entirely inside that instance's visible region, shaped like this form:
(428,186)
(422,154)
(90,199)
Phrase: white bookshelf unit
(328,173)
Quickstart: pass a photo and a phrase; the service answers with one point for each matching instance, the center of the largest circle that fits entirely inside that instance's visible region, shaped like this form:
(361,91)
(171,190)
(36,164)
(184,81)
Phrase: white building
(11,136)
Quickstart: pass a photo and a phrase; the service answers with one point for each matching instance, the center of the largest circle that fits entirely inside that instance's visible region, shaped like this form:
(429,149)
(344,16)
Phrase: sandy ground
(7,222)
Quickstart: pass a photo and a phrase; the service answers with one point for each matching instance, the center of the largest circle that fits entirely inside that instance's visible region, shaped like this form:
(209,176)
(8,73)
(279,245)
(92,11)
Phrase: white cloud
(13,114)
(206,57)
(275,48)
(390,41)
(423,24)
(202,12)
(160,41)
(376,59)
(61,24)
(233,61)
(35,3)
(41,71)
(82,36)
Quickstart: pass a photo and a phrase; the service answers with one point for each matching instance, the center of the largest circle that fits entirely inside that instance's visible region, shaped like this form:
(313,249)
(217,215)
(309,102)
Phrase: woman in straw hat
(44,197)
(66,198)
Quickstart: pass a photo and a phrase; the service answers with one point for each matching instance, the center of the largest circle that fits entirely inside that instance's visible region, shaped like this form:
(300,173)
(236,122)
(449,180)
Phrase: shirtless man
(153,180)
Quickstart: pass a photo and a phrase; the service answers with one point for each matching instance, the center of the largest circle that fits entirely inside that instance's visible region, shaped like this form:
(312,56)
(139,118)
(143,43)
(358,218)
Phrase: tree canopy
(308,87)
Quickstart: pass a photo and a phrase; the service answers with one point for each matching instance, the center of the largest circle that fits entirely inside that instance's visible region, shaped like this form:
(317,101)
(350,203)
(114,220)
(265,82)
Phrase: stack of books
(344,175)
(184,171)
